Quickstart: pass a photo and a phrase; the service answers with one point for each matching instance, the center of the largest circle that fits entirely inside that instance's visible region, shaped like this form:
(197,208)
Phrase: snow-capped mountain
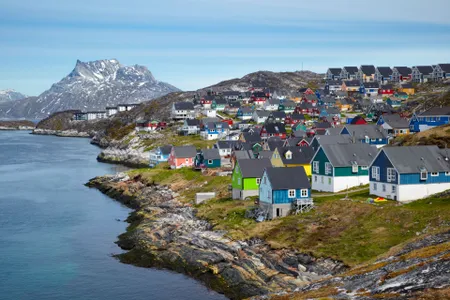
(10,95)
(91,86)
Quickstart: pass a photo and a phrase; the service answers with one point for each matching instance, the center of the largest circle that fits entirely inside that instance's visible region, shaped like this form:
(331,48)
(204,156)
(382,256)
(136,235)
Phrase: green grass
(171,137)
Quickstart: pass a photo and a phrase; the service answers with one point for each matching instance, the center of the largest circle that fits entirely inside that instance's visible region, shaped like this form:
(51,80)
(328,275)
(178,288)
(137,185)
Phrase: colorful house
(366,73)
(287,106)
(358,120)
(182,157)
(293,156)
(394,124)
(367,134)
(441,72)
(410,173)
(282,189)
(407,88)
(422,73)
(351,86)
(337,167)
(219,104)
(246,177)
(383,74)
(370,88)
(431,118)
(349,73)
(270,129)
(207,158)
(386,90)
(244,113)
(258,98)
(159,155)
(394,102)
(333,74)
(401,74)
(190,126)
(214,130)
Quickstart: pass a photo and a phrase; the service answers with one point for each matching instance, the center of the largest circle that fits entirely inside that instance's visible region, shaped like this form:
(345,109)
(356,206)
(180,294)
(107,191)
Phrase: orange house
(182,157)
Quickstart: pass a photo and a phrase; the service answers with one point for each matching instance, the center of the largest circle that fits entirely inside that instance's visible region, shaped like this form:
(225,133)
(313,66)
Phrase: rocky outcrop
(62,133)
(164,232)
(418,267)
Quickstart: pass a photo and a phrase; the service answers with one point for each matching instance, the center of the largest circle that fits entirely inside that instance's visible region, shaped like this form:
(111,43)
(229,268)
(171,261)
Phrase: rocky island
(17,125)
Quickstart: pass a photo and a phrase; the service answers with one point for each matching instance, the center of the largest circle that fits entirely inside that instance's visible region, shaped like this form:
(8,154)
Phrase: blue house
(433,117)
(368,134)
(394,102)
(244,113)
(330,112)
(159,155)
(207,158)
(283,189)
(409,173)
(214,130)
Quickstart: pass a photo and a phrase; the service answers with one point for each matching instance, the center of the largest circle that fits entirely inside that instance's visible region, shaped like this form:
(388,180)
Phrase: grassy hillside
(439,136)
(353,231)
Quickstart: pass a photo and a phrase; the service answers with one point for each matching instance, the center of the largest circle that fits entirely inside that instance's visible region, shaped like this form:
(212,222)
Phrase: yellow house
(407,88)
(287,157)
(351,85)
(345,104)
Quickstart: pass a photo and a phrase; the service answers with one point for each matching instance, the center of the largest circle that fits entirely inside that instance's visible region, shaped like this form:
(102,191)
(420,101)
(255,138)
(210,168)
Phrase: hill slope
(10,95)
(91,86)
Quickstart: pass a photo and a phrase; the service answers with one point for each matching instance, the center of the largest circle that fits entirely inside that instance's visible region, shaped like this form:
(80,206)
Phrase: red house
(207,101)
(273,129)
(294,118)
(229,121)
(386,90)
(258,98)
(358,120)
(306,91)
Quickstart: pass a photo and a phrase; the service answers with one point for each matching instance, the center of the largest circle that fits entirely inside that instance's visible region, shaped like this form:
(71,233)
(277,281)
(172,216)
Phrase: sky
(195,43)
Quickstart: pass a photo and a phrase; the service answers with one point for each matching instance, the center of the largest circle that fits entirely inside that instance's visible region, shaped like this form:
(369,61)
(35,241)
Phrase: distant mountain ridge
(10,95)
(91,86)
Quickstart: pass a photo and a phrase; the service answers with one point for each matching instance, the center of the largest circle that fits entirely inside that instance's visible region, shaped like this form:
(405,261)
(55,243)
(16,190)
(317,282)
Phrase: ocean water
(57,236)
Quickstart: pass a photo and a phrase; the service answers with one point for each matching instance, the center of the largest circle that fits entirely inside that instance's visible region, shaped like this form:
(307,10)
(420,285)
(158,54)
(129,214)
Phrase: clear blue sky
(195,43)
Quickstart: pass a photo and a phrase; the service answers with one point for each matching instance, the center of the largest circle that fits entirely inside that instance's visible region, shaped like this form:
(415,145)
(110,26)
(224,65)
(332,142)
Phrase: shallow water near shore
(57,236)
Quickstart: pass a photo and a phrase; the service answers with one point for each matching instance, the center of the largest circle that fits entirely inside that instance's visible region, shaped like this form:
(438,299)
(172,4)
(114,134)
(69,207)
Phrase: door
(279,212)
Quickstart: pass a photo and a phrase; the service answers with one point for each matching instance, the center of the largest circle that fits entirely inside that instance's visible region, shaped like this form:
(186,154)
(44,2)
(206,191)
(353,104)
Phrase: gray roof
(265,154)
(246,109)
(241,154)
(351,70)
(385,71)
(335,71)
(288,178)
(344,155)
(278,114)
(226,144)
(341,93)
(209,120)
(300,155)
(404,71)
(371,85)
(262,113)
(192,122)
(253,168)
(333,139)
(445,67)
(412,159)
(334,131)
(185,151)
(368,69)
(274,101)
(395,121)
(425,69)
(437,111)
(334,82)
(251,136)
(372,131)
(352,83)
(184,106)
(211,154)
(165,150)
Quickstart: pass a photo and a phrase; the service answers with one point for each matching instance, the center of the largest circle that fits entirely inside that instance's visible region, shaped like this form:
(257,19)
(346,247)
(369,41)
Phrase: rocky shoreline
(25,128)
(62,133)
(165,233)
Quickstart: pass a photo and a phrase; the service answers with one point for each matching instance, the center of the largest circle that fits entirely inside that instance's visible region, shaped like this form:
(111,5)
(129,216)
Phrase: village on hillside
(280,147)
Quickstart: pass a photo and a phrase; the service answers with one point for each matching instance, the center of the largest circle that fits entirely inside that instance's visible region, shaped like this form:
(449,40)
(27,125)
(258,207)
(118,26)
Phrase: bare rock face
(165,232)
(91,86)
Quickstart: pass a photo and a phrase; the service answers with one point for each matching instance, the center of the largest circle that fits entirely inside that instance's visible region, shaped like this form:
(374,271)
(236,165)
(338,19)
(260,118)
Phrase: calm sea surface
(57,236)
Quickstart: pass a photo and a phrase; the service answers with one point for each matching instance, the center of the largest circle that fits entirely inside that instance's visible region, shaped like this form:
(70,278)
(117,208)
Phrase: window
(376,173)
(304,193)
(367,140)
(239,181)
(423,175)
(258,181)
(434,174)
(447,173)
(383,187)
(291,193)
(374,186)
(394,189)
(316,166)
(327,168)
(329,181)
(210,161)
(364,167)
(187,160)
(354,168)
(373,140)
(321,179)
(391,174)
(315,178)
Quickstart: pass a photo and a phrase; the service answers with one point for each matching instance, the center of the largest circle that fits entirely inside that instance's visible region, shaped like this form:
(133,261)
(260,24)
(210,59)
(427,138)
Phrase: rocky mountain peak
(98,70)
(10,95)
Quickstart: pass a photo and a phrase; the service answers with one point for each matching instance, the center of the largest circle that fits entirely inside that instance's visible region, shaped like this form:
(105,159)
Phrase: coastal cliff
(164,232)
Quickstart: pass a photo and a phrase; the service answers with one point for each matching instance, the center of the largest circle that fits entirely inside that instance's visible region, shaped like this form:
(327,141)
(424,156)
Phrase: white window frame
(328,168)
(374,186)
(391,174)
(304,193)
(239,180)
(258,181)
(210,161)
(423,173)
(394,189)
(383,188)
(354,168)
(315,166)
(434,174)
(376,173)
(315,178)
(329,181)
(364,167)
(447,173)
(187,160)
(291,194)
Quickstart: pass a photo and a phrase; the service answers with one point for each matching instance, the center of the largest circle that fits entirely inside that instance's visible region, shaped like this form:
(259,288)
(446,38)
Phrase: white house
(210,112)
(260,116)
(96,115)
(183,110)
(422,73)
(111,111)
(272,104)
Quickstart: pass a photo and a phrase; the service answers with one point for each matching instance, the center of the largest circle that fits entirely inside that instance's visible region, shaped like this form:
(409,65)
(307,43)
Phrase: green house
(247,175)
(337,167)
(207,158)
